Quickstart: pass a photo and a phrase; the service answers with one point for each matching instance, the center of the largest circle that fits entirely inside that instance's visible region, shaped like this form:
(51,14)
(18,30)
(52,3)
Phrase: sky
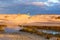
(30,6)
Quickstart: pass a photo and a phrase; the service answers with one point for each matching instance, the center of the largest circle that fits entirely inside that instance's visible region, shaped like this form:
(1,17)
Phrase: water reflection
(49,31)
(16,29)
(11,30)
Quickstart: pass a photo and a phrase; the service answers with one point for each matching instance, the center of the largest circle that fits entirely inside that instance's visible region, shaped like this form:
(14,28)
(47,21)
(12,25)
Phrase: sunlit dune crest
(45,18)
(15,19)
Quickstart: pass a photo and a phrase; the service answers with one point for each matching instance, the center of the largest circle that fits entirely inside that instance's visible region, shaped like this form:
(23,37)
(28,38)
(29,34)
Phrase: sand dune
(24,18)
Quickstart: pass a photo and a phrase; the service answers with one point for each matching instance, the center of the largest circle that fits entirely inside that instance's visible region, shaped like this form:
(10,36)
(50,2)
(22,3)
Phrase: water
(49,31)
(11,30)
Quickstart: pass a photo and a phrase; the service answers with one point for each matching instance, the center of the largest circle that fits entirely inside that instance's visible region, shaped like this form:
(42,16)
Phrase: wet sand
(20,36)
(23,36)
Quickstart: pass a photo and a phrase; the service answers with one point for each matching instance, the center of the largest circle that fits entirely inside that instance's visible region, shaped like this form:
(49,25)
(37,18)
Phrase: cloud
(33,2)
(38,3)
(54,1)
(25,6)
(44,3)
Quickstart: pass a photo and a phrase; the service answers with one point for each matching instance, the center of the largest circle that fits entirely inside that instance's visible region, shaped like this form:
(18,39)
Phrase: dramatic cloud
(47,3)
(32,6)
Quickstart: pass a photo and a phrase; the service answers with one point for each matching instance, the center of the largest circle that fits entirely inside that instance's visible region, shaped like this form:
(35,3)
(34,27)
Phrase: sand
(22,36)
